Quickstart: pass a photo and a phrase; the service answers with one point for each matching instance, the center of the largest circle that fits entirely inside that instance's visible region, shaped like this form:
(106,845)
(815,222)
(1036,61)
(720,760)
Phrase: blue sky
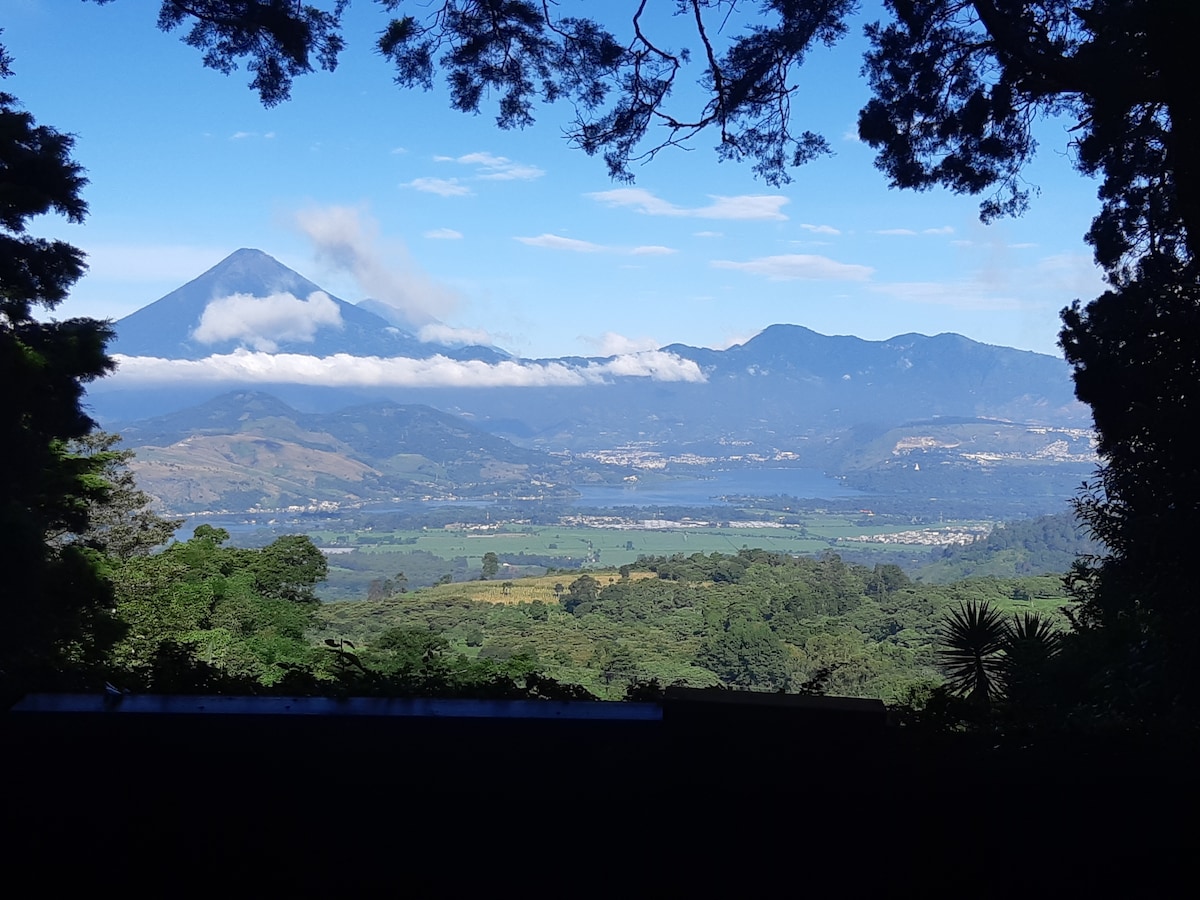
(513,236)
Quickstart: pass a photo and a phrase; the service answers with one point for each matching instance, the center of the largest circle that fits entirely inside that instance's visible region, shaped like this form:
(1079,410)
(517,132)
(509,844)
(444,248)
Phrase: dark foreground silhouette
(752,783)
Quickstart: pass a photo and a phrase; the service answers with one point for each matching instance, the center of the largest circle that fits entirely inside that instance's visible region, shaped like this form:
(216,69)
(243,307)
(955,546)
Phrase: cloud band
(343,370)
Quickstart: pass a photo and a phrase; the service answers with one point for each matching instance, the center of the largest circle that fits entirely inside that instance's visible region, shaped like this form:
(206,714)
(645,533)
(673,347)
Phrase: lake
(794,482)
(706,491)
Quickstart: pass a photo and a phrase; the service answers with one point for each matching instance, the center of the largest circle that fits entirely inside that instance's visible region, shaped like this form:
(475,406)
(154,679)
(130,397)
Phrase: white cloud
(640,199)
(490,167)
(241,135)
(657,365)
(399,151)
(707,234)
(441,333)
(910,232)
(612,344)
(743,207)
(443,234)
(347,240)
(342,370)
(261,322)
(443,187)
(764,206)
(819,229)
(555,242)
(798,265)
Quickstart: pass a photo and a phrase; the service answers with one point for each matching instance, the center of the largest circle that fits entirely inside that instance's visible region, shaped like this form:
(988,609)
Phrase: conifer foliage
(55,603)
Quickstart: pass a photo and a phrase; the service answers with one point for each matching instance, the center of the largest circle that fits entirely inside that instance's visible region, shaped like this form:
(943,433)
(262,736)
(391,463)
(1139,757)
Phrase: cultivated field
(380,554)
(527,590)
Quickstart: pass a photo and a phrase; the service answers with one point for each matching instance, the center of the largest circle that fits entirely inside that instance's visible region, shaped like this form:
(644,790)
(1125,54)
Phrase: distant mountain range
(868,410)
(247,450)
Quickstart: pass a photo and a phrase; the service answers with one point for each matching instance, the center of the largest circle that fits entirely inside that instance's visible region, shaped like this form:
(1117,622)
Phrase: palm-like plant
(972,654)
(1030,643)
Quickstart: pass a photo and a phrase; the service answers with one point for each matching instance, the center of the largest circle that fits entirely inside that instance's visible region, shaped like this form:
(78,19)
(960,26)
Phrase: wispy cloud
(261,322)
(347,240)
(490,167)
(444,234)
(613,344)
(819,229)
(342,370)
(1001,284)
(971,295)
(707,234)
(1005,268)
(443,187)
(912,232)
(1073,274)
(794,266)
(557,242)
(744,207)
(441,333)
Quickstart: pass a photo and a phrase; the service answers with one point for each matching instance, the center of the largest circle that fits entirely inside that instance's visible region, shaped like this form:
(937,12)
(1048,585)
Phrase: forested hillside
(202,615)
(754,620)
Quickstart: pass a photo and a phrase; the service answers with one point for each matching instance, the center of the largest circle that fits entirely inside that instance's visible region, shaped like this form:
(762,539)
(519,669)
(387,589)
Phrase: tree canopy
(957,86)
(56,604)
(200,610)
(121,522)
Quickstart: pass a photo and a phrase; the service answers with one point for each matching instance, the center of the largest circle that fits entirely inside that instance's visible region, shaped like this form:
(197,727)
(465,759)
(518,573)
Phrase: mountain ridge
(788,389)
(248,449)
(251,299)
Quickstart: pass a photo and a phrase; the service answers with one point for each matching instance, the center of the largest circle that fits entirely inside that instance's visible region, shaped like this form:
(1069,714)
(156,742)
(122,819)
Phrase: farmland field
(358,557)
